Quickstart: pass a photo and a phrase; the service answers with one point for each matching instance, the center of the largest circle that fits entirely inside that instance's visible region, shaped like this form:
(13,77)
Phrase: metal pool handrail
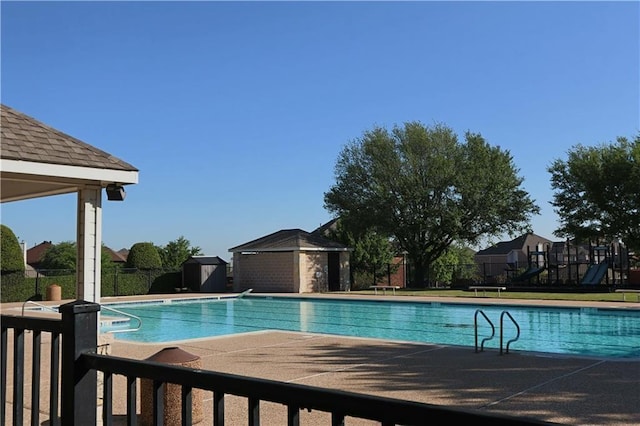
(502,327)
(49,308)
(493,329)
(126,314)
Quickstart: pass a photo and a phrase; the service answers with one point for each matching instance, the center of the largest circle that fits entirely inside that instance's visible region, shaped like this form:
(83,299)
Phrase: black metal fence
(20,286)
(78,389)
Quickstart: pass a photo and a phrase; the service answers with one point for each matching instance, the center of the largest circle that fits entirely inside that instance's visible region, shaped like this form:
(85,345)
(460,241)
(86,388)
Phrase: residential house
(124,253)
(507,258)
(36,253)
(116,257)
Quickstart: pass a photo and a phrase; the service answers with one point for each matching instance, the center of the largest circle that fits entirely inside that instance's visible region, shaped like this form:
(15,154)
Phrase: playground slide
(595,274)
(588,276)
(529,273)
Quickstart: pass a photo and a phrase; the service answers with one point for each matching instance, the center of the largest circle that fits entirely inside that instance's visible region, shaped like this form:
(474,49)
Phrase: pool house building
(291,261)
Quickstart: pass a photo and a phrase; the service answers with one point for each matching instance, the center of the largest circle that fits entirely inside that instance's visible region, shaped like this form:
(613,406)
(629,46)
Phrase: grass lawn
(595,297)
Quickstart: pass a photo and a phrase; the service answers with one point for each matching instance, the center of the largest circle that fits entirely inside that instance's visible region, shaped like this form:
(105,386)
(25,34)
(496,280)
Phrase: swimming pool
(573,331)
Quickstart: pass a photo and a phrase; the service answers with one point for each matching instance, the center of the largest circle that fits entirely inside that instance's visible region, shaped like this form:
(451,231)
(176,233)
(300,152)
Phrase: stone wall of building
(264,272)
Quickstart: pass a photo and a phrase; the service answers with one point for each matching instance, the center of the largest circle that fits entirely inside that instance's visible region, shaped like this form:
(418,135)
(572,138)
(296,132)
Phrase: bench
(384,288)
(624,292)
(484,289)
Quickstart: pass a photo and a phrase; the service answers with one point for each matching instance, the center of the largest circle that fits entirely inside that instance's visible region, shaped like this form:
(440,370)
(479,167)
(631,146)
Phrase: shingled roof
(519,243)
(39,161)
(205,260)
(27,139)
(289,240)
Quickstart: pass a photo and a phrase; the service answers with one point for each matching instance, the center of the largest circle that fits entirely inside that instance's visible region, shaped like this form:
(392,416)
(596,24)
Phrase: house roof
(290,240)
(325,228)
(38,160)
(35,253)
(205,260)
(115,256)
(520,243)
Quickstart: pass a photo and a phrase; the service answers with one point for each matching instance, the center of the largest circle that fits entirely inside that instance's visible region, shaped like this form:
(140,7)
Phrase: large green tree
(597,192)
(64,256)
(372,252)
(176,252)
(11,257)
(427,190)
(456,262)
(60,256)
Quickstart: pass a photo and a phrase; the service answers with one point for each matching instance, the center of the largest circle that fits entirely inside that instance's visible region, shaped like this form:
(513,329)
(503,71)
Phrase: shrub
(11,257)
(121,282)
(15,288)
(60,256)
(166,283)
(144,256)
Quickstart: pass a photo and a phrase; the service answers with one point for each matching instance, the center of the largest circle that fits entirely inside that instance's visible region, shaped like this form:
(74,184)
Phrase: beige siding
(345,277)
(313,272)
(264,272)
(290,272)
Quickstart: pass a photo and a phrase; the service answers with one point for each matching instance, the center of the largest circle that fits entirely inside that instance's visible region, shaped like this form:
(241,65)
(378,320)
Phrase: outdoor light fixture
(115,192)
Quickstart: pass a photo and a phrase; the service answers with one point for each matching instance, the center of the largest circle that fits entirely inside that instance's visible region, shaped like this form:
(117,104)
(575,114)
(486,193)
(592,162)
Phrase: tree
(176,252)
(372,252)
(144,256)
(597,192)
(60,256)
(107,263)
(64,255)
(454,262)
(427,190)
(11,256)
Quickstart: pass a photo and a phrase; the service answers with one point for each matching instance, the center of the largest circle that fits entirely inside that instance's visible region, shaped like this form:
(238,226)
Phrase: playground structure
(599,268)
(562,264)
(537,262)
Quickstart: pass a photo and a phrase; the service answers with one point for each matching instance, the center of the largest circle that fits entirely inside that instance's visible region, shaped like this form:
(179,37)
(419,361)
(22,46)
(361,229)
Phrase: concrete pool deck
(559,389)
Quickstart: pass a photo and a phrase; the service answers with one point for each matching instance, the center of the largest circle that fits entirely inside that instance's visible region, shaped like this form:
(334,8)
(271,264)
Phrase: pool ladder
(102,308)
(125,314)
(493,330)
(43,307)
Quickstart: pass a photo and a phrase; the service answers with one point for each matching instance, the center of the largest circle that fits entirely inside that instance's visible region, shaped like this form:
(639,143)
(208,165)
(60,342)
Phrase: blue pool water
(573,331)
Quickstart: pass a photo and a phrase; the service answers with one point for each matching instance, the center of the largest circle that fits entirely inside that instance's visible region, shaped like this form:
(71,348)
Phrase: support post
(79,335)
(89,244)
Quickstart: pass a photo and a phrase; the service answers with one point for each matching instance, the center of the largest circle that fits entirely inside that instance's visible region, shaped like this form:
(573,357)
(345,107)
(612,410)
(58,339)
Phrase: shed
(291,261)
(206,274)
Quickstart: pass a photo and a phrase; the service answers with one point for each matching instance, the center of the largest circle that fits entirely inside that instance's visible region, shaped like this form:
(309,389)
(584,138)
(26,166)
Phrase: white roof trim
(264,250)
(70,172)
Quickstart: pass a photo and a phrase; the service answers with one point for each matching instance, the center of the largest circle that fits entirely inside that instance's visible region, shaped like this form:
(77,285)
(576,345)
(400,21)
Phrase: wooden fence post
(79,385)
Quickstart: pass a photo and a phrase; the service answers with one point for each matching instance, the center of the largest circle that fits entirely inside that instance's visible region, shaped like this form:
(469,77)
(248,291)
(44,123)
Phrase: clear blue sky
(235,112)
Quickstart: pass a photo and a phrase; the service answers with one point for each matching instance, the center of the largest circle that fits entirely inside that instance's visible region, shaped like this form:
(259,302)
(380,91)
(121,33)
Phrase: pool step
(108,321)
